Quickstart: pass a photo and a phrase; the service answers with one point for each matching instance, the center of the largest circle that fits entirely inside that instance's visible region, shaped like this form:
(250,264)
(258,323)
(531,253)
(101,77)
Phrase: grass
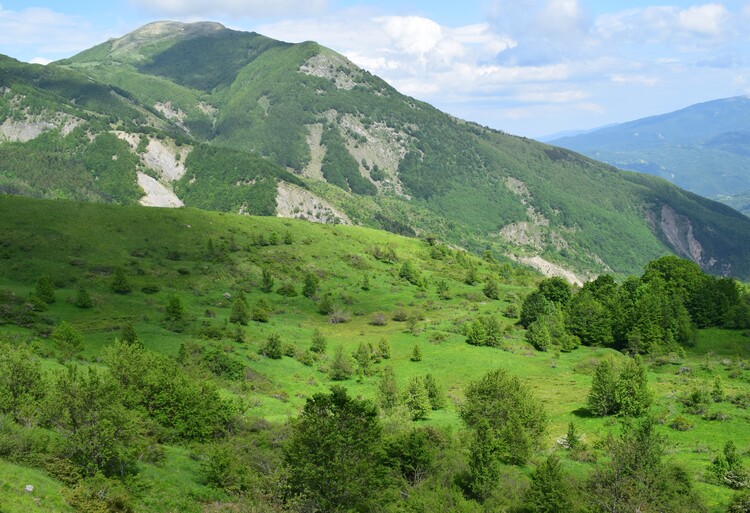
(167,249)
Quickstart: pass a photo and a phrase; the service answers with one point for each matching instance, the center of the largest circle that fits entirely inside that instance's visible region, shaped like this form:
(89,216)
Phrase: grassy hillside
(399,164)
(408,292)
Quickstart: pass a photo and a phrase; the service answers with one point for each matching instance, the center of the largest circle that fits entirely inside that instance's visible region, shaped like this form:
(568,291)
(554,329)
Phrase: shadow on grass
(584,413)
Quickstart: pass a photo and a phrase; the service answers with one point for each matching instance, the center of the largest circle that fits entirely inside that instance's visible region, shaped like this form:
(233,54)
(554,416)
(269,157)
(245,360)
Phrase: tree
(334,458)
(549,491)
(533,306)
(727,468)
(266,281)
(388,395)
(319,343)
(261,311)
(601,399)
(240,313)
(492,289)
(310,287)
(363,357)
(68,340)
(129,336)
(471,275)
(272,347)
(416,399)
(416,354)
(83,298)
(21,384)
(45,290)
(99,432)
(120,283)
(589,320)
(632,395)
(515,420)
(341,366)
(384,347)
(635,477)
(538,335)
(434,393)
(555,290)
(326,305)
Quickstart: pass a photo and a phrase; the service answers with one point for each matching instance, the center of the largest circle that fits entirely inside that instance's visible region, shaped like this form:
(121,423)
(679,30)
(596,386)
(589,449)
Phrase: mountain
(704,148)
(204,116)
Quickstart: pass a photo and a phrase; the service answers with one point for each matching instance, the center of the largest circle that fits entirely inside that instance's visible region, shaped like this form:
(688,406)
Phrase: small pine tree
(601,399)
(239,335)
(388,394)
(272,348)
(492,289)
(385,348)
(288,239)
(240,313)
(266,281)
(326,305)
(434,393)
(549,492)
(416,354)
(632,394)
(717,393)
(573,440)
(120,282)
(174,312)
(129,335)
(471,275)
(310,288)
(83,298)
(341,366)
(319,343)
(365,284)
(442,290)
(68,340)
(363,357)
(261,311)
(45,290)
(416,399)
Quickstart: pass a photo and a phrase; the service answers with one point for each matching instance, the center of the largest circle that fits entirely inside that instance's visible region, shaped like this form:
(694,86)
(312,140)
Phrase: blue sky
(530,67)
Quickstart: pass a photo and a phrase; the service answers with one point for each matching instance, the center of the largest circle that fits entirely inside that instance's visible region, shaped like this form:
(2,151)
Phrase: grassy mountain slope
(167,254)
(703,148)
(385,160)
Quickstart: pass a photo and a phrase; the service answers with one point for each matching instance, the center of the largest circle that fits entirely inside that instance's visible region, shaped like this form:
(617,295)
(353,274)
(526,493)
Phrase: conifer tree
(240,313)
(83,298)
(388,394)
(363,357)
(384,347)
(341,366)
(310,287)
(68,340)
(416,354)
(416,399)
(272,347)
(129,335)
(120,282)
(632,394)
(492,289)
(549,492)
(266,281)
(45,290)
(318,344)
(601,399)
(434,393)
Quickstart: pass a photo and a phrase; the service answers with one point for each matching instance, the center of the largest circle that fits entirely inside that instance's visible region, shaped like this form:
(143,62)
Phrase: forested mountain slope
(338,144)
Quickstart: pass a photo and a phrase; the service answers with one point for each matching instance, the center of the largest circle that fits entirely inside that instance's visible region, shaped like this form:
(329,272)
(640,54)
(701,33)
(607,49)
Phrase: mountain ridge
(272,113)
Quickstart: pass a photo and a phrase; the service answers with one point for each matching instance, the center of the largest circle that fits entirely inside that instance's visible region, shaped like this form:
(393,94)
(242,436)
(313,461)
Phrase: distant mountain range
(196,114)
(704,148)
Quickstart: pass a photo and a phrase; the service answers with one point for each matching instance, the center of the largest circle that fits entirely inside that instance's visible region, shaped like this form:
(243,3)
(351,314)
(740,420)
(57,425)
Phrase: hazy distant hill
(201,115)
(704,148)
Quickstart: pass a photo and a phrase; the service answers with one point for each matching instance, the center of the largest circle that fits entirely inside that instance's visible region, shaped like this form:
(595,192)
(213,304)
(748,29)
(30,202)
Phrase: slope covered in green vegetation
(385,160)
(229,325)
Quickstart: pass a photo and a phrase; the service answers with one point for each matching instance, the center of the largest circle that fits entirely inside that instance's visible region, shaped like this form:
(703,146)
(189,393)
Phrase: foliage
(45,290)
(549,491)
(388,393)
(120,283)
(416,398)
(68,340)
(636,477)
(341,366)
(83,298)
(334,457)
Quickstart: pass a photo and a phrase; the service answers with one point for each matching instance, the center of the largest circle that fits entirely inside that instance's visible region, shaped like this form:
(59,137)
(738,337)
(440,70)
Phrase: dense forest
(260,364)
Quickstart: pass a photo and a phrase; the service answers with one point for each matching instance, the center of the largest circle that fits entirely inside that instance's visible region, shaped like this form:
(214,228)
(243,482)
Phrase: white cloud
(40,60)
(233,8)
(707,20)
(634,79)
(42,33)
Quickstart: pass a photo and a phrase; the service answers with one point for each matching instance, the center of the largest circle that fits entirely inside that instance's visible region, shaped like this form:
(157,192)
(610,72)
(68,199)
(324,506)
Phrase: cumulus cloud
(232,8)
(40,30)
